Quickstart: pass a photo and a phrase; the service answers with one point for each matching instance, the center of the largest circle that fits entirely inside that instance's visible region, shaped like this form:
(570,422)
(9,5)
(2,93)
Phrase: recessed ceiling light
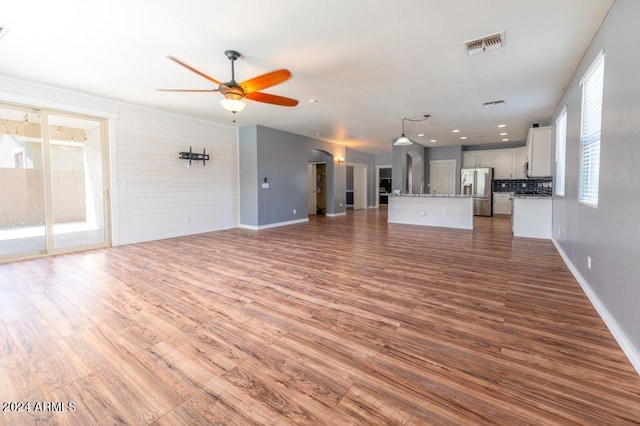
(432,141)
(505,139)
(420,135)
(455,131)
(503,134)
(463,137)
(502,125)
(317,134)
(313,101)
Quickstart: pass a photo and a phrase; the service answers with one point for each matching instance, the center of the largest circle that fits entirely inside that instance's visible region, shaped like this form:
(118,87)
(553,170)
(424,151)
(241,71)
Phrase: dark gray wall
(399,165)
(282,158)
(384,159)
(609,234)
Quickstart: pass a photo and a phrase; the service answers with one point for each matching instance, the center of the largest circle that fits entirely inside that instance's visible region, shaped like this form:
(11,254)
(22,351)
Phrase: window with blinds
(561,151)
(592,87)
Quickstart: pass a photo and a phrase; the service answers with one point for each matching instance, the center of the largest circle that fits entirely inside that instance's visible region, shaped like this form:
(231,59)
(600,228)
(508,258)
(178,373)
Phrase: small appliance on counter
(477,183)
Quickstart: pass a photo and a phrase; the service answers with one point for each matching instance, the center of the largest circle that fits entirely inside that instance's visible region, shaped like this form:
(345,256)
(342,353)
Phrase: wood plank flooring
(342,320)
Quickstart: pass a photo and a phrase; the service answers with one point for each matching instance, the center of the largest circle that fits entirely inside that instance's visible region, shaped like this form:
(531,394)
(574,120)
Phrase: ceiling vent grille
(3,30)
(493,103)
(484,44)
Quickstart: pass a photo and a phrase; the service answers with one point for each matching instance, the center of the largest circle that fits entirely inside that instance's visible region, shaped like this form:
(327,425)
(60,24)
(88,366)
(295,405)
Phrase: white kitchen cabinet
(502,204)
(519,158)
(503,164)
(484,158)
(469,159)
(532,217)
(539,151)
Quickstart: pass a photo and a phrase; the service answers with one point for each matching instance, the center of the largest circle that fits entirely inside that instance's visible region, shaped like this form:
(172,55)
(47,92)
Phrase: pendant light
(403,140)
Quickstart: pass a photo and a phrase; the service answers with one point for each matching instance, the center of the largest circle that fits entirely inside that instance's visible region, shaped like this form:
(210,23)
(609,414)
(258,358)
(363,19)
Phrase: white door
(359,187)
(311,189)
(442,176)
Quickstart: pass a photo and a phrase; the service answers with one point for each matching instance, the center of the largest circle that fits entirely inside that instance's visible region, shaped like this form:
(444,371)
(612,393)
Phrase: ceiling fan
(234,92)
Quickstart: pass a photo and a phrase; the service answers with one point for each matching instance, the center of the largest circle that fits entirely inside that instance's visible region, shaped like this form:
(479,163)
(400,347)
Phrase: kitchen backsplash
(524,186)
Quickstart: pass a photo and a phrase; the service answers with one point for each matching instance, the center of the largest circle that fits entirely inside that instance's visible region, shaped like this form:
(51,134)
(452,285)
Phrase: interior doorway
(317,188)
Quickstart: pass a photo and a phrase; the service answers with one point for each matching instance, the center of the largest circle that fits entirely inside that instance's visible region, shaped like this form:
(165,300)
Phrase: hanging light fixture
(403,139)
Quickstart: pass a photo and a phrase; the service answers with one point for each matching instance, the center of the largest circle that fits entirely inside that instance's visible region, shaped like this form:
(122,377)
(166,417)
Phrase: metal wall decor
(204,157)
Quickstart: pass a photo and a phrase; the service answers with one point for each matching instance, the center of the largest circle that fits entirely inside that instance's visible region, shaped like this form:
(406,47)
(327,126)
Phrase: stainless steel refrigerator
(477,183)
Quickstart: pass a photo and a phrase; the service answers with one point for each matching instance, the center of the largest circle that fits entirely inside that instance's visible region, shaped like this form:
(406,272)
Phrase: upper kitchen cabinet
(503,164)
(471,159)
(539,151)
(519,158)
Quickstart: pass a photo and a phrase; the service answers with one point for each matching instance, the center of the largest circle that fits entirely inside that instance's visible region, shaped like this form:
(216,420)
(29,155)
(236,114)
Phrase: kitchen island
(449,211)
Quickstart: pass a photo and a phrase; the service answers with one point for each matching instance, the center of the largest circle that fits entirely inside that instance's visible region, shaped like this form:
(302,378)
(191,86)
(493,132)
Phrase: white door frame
(452,175)
(358,193)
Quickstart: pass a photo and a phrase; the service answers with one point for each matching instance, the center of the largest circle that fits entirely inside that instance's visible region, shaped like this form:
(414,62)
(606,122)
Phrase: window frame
(591,132)
(561,153)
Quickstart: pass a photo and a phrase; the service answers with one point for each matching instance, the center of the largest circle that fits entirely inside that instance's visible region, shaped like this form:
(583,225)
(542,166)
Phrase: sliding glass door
(22,198)
(53,192)
(77,186)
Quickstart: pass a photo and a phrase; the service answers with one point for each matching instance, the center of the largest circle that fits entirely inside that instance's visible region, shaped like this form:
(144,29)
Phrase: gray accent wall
(609,234)
(282,158)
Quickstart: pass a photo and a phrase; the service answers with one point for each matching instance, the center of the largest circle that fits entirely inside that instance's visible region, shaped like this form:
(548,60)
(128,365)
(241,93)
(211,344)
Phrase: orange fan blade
(271,99)
(200,73)
(265,80)
(187,90)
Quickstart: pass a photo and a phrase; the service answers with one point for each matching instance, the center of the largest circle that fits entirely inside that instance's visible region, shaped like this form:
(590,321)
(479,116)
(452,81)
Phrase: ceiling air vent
(493,103)
(484,44)
(3,30)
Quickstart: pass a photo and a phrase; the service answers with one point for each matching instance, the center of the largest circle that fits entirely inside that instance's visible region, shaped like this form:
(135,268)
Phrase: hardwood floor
(343,320)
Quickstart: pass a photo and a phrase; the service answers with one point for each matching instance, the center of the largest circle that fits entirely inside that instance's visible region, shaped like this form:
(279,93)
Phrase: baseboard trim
(272,225)
(336,214)
(610,322)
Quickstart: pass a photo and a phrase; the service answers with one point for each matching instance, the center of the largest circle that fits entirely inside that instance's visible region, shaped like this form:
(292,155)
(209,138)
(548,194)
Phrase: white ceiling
(367,62)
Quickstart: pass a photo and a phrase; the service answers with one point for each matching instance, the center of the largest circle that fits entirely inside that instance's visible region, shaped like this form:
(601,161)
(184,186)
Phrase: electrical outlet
(589,262)
(294,211)
(422,213)
(340,204)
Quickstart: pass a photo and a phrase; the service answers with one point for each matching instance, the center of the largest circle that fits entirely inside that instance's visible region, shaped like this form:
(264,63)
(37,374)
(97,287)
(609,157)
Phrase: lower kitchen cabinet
(532,217)
(502,204)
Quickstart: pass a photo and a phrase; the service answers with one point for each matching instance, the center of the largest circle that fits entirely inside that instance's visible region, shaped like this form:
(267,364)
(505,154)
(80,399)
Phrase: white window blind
(592,86)
(561,151)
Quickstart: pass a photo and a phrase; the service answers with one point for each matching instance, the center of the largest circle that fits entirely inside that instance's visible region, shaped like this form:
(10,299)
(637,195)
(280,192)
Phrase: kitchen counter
(431,195)
(449,211)
(531,196)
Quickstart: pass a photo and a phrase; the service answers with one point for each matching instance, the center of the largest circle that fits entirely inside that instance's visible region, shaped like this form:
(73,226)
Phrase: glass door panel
(22,195)
(77,182)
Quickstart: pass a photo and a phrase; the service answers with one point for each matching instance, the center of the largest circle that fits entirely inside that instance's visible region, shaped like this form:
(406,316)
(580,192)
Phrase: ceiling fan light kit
(403,140)
(234,93)
(233,105)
